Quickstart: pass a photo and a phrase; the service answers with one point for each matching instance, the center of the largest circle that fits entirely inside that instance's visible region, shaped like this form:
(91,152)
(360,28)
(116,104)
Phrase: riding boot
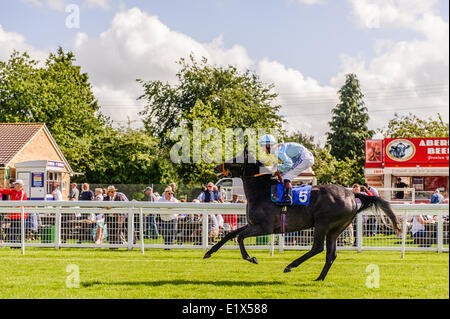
(288,192)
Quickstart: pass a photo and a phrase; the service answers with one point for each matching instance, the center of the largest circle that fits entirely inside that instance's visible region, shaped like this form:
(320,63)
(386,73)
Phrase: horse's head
(243,165)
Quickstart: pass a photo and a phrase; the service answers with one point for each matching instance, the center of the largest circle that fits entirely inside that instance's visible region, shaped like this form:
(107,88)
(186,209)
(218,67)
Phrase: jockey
(295,158)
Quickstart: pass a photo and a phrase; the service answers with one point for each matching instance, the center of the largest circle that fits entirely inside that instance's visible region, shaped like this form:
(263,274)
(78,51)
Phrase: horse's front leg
(227,237)
(251,231)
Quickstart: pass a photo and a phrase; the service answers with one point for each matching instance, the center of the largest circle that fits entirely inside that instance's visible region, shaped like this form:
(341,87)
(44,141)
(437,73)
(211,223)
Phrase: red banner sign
(416,151)
(408,152)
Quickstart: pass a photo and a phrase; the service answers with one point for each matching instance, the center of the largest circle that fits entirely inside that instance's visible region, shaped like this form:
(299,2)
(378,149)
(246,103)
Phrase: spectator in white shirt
(168,221)
(57,195)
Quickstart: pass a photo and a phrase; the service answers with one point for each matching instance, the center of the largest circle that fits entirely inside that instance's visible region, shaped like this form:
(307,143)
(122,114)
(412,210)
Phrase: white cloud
(311,2)
(10,41)
(303,99)
(35,3)
(56,4)
(104,4)
(405,75)
(60,5)
(417,15)
(138,45)
(52,4)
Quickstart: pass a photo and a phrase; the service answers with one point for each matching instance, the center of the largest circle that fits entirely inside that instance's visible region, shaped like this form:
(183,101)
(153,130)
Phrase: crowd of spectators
(174,228)
(112,227)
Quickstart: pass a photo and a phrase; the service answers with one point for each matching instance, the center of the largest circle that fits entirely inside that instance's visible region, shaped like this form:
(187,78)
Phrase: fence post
(130,229)
(22,229)
(440,234)
(272,244)
(141,229)
(280,243)
(404,229)
(205,231)
(359,232)
(57,228)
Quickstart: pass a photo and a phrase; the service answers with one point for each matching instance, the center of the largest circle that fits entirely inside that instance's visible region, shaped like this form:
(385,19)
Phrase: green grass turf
(104,273)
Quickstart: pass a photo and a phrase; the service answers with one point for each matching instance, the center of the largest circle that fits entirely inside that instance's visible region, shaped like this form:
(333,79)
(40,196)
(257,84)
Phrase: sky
(399,49)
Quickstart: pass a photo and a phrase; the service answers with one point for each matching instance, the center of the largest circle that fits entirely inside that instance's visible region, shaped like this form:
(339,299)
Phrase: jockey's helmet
(267,140)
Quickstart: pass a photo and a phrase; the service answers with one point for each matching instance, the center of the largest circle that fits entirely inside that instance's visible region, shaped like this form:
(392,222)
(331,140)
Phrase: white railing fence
(389,193)
(145,225)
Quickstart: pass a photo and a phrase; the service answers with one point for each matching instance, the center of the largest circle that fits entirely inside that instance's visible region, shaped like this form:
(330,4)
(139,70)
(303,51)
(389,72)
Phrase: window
(53,178)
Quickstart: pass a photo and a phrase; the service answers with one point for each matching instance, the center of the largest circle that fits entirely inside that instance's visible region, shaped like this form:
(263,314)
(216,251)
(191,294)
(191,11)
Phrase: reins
(256,175)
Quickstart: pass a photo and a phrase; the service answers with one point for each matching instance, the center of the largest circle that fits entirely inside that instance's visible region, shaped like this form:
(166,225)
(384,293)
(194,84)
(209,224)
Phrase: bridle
(225,172)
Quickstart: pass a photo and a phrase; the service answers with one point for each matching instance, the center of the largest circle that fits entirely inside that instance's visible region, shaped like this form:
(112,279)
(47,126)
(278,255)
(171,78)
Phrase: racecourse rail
(136,211)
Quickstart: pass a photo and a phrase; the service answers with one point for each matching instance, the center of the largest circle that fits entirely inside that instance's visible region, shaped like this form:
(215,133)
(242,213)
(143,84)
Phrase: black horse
(332,208)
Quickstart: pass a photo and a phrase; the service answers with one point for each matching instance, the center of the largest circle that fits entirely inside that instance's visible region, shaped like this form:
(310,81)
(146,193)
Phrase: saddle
(300,194)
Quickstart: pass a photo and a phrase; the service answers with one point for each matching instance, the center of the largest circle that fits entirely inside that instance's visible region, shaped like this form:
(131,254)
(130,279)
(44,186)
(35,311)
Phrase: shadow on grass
(180,282)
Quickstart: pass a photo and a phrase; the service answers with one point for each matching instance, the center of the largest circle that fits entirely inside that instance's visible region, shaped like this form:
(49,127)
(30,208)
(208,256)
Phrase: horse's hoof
(319,279)
(287,269)
(253,260)
(207,255)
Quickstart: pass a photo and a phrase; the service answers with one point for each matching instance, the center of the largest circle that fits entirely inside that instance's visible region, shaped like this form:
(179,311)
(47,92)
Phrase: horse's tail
(377,202)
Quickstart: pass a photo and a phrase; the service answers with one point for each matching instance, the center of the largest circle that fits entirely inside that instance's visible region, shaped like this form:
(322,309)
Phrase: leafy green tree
(412,126)
(57,94)
(239,99)
(126,155)
(216,97)
(327,168)
(302,138)
(348,126)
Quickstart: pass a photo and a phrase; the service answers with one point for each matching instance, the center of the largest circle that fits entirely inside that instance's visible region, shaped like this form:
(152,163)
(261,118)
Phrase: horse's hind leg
(227,237)
(317,248)
(331,256)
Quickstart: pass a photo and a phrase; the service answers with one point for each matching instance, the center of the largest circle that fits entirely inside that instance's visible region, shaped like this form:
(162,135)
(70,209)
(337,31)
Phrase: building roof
(13,137)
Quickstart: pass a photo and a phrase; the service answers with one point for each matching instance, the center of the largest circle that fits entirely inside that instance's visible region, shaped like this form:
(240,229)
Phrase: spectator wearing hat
(15,194)
(168,221)
(151,229)
(115,221)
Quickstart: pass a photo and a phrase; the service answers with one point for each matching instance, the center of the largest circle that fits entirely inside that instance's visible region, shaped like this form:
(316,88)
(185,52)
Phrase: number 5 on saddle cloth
(300,194)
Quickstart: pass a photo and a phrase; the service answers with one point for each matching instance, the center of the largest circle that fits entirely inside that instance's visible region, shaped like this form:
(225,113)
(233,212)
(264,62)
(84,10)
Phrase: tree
(327,168)
(348,126)
(126,155)
(239,99)
(217,98)
(411,126)
(302,138)
(57,94)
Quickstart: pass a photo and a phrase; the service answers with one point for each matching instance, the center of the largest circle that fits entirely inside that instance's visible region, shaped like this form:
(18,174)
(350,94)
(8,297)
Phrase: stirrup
(288,200)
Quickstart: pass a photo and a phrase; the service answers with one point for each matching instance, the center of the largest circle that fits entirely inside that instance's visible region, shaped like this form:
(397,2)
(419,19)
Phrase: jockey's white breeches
(306,161)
